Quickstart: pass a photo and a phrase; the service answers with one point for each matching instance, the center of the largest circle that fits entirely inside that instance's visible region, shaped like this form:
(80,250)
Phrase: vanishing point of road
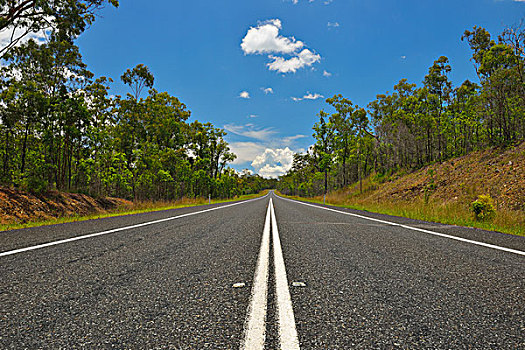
(267,273)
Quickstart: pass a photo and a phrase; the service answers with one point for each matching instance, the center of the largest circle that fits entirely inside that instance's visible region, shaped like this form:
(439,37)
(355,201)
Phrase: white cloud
(308,96)
(10,33)
(305,58)
(268,90)
(245,151)
(295,2)
(289,139)
(327,74)
(332,24)
(265,38)
(5,37)
(249,130)
(405,57)
(244,94)
(273,162)
(252,116)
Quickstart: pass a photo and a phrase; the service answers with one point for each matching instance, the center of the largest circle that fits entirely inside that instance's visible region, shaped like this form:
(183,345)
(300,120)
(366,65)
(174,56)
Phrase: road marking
(298,284)
(287,332)
(21,250)
(255,326)
(487,245)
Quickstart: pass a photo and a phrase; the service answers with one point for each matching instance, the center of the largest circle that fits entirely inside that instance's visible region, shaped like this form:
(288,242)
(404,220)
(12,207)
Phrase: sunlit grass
(135,208)
(452,213)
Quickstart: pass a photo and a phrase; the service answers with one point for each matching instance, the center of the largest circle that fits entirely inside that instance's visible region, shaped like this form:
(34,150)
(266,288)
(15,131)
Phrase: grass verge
(136,208)
(458,214)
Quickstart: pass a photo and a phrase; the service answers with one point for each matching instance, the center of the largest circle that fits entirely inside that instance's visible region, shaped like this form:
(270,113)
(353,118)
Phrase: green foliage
(413,127)
(483,208)
(64,18)
(60,129)
(431,186)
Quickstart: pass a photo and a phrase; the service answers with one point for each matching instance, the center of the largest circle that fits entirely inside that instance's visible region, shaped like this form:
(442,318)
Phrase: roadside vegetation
(126,208)
(61,129)
(484,189)
(429,132)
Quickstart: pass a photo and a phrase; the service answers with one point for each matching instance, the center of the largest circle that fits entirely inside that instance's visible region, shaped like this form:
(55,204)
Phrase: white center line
(287,331)
(255,326)
(487,245)
(21,250)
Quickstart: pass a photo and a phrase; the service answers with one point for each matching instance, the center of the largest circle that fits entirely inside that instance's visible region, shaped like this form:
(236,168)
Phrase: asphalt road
(306,277)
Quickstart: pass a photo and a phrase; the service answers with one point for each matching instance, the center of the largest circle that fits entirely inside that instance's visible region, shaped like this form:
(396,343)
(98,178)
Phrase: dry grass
(134,208)
(446,212)
(444,192)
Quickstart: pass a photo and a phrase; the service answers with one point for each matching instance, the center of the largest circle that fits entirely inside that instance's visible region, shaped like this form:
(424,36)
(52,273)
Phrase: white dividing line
(487,245)
(255,326)
(287,332)
(21,250)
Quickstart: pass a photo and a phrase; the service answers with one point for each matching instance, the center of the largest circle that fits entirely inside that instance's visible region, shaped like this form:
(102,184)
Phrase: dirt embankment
(17,207)
(499,173)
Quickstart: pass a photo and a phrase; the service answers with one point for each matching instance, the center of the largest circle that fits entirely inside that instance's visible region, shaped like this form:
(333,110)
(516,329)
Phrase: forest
(414,126)
(61,129)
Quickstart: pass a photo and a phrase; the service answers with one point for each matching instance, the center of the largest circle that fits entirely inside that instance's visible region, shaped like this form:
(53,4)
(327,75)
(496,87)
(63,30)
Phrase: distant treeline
(415,126)
(60,128)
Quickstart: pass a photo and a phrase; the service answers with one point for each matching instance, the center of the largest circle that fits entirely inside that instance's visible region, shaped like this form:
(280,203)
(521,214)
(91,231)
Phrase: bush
(34,184)
(483,208)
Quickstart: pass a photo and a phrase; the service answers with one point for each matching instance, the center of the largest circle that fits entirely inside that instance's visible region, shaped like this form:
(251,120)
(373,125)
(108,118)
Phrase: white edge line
(44,245)
(255,325)
(287,331)
(487,245)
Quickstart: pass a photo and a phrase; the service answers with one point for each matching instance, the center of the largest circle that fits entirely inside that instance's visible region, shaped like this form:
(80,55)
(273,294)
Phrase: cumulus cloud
(305,58)
(268,90)
(246,151)
(332,24)
(265,38)
(252,116)
(327,74)
(287,53)
(244,94)
(273,162)
(21,35)
(308,96)
(249,130)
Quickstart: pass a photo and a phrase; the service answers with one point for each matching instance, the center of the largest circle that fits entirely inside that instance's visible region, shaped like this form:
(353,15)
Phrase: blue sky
(303,50)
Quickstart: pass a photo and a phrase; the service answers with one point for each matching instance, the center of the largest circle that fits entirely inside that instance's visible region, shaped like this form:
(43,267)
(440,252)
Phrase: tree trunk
(24,149)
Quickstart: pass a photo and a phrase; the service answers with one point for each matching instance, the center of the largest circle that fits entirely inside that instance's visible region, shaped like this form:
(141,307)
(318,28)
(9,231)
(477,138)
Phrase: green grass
(138,208)
(451,214)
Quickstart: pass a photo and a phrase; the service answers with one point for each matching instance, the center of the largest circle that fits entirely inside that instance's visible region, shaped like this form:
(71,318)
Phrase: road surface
(265,273)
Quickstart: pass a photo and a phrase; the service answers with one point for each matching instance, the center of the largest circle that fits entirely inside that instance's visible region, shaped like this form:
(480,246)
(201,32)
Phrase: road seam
(255,326)
(49,244)
(487,245)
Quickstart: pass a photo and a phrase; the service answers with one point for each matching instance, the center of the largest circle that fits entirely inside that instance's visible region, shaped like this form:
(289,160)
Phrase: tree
(324,146)
(137,79)
(20,18)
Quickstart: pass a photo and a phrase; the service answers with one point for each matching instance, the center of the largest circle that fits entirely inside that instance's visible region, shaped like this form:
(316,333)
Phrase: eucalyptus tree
(439,88)
(20,19)
(324,146)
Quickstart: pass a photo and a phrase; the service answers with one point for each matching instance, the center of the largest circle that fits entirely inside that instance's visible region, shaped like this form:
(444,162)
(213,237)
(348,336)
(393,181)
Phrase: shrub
(483,208)
(34,184)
